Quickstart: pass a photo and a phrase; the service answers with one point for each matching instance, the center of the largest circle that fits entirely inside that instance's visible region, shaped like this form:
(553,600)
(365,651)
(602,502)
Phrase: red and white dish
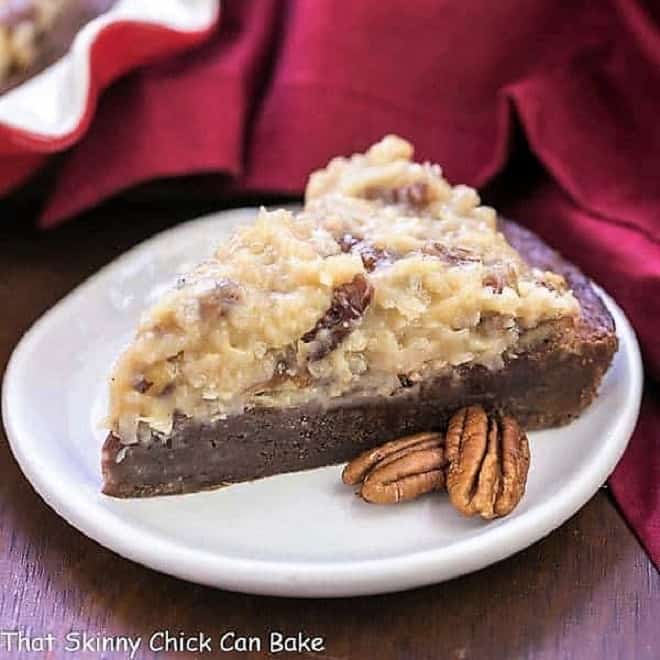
(50,111)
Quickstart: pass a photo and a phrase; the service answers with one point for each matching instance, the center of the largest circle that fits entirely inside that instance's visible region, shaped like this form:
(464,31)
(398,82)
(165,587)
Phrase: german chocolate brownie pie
(34,33)
(390,301)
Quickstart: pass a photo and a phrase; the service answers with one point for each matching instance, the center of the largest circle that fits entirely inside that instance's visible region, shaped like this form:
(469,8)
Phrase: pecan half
(488,460)
(349,302)
(399,470)
(406,478)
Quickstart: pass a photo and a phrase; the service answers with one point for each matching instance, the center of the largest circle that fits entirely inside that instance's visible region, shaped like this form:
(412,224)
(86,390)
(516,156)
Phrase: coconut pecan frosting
(389,275)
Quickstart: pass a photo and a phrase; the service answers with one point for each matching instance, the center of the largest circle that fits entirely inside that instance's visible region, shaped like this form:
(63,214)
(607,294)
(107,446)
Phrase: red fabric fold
(636,488)
(283,86)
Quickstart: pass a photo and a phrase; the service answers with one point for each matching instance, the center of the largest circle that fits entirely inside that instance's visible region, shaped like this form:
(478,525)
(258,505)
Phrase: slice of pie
(34,33)
(392,299)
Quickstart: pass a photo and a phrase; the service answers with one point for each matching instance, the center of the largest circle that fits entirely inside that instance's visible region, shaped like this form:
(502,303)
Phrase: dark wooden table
(586,591)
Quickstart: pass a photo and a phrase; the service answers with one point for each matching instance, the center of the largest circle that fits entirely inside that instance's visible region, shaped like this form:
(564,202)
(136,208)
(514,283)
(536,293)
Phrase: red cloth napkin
(283,86)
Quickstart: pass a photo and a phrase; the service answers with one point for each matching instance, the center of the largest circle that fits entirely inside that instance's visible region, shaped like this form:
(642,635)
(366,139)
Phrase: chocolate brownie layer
(547,386)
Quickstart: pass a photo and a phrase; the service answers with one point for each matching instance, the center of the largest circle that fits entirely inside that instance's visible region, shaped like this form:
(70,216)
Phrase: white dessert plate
(302,534)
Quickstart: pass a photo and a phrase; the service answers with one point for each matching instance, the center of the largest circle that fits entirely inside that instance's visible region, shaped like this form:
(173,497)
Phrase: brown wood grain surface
(586,591)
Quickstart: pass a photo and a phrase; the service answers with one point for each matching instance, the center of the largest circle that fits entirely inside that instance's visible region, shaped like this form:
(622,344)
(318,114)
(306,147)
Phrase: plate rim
(299,578)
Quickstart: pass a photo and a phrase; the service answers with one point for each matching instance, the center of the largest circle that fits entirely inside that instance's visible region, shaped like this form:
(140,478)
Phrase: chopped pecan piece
(215,296)
(453,256)
(414,195)
(284,372)
(141,384)
(286,364)
(399,470)
(371,255)
(158,379)
(488,460)
(347,242)
(349,302)
(281,368)
(405,381)
(501,276)
(494,281)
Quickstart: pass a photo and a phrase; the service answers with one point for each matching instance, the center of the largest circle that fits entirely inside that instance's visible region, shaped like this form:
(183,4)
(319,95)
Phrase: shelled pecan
(483,462)
(488,460)
(399,470)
